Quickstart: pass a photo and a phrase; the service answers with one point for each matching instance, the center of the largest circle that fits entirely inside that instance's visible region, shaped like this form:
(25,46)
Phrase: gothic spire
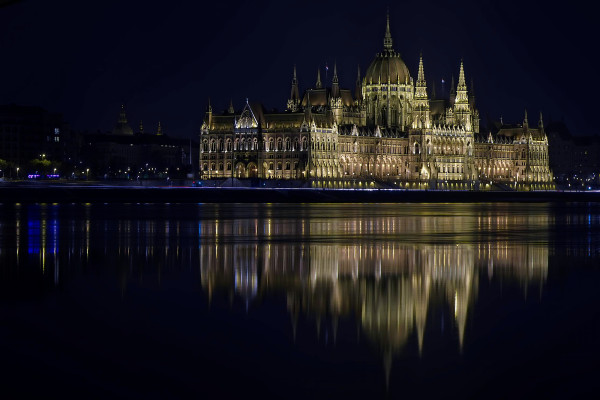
(209,108)
(387,39)
(335,76)
(462,85)
(525,121)
(421,86)
(541,122)
(231,110)
(294,99)
(335,86)
(318,85)
(159,130)
(421,75)
(358,90)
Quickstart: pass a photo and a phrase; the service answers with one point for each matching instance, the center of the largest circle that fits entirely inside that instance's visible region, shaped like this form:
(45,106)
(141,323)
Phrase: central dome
(387,64)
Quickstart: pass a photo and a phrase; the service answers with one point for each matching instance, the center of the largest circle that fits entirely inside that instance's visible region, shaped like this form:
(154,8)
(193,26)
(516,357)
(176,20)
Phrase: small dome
(387,64)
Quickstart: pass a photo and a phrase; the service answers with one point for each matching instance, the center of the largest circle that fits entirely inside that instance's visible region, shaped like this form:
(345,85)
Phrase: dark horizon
(164,61)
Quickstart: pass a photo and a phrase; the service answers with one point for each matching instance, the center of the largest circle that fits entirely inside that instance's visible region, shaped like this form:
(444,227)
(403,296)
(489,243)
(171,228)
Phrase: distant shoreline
(120,194)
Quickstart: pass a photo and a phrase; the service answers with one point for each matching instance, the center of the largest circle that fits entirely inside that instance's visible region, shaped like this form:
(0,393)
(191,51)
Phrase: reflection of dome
(122,128)
(387,64)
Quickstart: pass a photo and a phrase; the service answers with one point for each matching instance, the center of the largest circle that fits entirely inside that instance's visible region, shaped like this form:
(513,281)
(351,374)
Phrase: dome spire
(387,40)
(122,115)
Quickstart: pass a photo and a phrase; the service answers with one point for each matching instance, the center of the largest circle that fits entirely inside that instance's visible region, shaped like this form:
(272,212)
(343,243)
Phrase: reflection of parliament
(392,132)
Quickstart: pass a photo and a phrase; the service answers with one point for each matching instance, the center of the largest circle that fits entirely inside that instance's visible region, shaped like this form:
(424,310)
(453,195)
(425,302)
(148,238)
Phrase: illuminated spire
(318,85)
(541,122)
(462,85)
(209,108)
(525,120)
(387,40)
(159,129)
(231,110)
(421,85)
(421,75)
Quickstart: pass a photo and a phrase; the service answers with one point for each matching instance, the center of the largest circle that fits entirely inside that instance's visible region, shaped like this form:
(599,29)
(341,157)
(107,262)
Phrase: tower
(388,88)
(336,101)
(421,102)
(462,112)
(294,100)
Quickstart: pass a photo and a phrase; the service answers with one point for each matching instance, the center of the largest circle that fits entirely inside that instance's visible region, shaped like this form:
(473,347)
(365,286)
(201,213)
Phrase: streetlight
(87,171)
(17,172)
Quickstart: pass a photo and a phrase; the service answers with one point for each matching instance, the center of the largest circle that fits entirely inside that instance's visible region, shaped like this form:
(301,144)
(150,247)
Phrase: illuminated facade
(390,133)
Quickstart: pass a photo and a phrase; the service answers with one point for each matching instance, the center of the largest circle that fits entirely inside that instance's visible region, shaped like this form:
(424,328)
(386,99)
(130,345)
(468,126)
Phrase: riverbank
(120,194)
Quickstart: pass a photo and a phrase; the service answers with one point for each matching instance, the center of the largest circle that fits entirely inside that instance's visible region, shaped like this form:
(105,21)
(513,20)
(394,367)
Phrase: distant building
(27,133)
(123,153)
(390,132)
(575,160)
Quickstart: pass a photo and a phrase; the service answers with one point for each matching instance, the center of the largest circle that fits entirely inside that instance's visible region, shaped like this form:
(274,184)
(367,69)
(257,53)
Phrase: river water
(300,300)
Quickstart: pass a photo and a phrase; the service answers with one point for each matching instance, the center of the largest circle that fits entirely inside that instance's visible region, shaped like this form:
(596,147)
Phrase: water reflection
(402,273)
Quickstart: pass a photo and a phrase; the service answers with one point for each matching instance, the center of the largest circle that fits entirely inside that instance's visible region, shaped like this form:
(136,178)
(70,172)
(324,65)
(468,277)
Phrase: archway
(240,171)
(252,170)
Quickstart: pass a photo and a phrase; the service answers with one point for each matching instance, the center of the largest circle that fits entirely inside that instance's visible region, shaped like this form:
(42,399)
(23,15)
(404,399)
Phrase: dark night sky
(85,58)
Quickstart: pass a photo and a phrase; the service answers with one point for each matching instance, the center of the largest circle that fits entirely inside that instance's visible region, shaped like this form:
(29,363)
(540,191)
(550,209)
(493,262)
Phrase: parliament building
(389,133)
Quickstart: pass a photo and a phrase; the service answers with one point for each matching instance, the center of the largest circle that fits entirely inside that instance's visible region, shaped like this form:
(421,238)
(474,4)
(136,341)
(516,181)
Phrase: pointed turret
(318,85)
(525,120)
(294,100)
(421,86)
(335,85)
(231,110)
(421,109)
(462,85)
(387,39)
(358,89)
(461,103)
(541,123)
